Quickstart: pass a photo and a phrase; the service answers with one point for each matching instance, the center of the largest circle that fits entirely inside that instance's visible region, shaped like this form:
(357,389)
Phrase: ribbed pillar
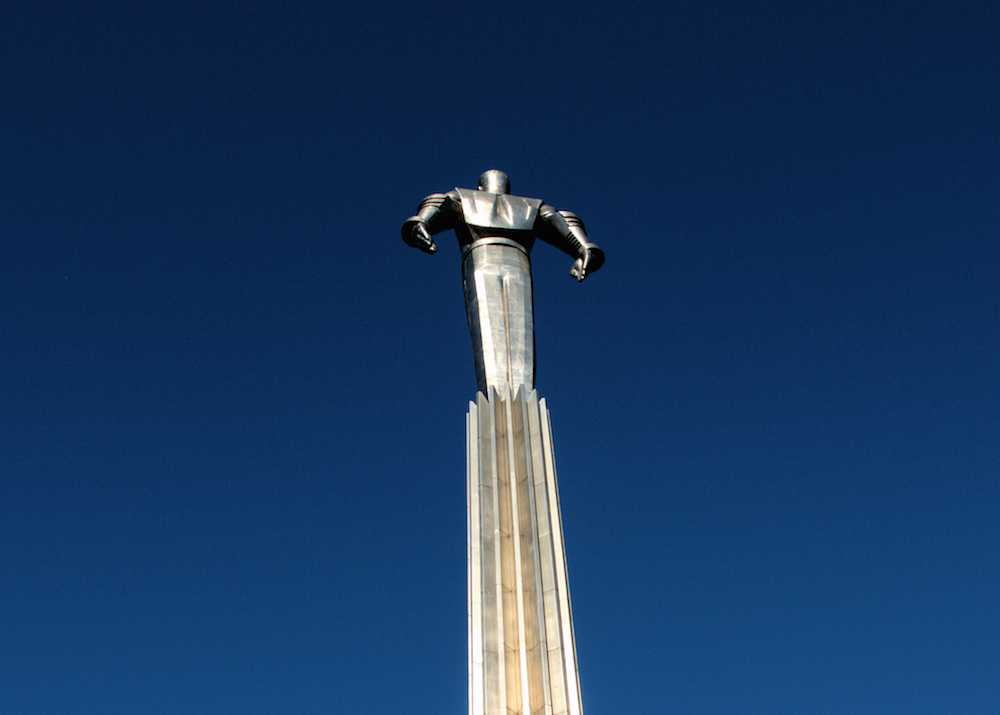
(522,656)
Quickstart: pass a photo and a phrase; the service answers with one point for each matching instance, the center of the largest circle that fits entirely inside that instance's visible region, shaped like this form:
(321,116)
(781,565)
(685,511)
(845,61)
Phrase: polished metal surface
(496,232)
(485,210)
(494,181)
(522,654)
(496,278)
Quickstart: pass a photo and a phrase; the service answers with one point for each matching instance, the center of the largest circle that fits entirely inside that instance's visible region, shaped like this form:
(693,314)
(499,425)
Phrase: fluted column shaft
(522,655)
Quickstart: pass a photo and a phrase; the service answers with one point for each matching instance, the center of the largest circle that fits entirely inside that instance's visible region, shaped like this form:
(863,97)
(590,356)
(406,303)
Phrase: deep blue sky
(232,401)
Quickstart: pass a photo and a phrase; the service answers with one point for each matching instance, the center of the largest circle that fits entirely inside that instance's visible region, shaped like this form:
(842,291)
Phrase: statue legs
(496,275)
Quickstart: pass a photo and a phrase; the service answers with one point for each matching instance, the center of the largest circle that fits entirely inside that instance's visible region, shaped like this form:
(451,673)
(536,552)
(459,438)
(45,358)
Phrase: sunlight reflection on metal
(496,232)
(522,654)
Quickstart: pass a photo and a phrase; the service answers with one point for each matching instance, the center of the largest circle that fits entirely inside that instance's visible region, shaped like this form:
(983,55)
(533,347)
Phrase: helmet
(495,182)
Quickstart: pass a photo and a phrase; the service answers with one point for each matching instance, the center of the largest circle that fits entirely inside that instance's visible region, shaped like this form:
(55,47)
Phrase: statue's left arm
(565,231)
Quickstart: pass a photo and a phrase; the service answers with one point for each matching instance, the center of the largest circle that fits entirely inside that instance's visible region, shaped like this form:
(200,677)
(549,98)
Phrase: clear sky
(232,401)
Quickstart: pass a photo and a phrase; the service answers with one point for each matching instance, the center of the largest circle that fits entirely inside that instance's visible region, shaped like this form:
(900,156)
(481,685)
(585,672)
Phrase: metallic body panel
(522,654)
(481,208)
(496,277)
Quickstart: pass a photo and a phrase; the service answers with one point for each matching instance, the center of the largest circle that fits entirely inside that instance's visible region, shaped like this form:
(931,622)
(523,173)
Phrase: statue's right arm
(436,214)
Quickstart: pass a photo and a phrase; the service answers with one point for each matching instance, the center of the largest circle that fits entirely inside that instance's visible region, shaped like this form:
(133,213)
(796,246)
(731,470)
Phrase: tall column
(522,655)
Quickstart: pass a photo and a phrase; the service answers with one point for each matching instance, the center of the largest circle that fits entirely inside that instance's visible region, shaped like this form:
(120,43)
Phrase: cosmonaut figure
(496,232)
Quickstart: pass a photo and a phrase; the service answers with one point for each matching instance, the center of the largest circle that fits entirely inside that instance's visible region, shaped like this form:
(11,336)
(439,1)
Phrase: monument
(522,655)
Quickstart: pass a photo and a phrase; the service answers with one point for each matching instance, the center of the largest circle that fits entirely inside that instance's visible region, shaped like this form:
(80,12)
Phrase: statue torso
(500,215)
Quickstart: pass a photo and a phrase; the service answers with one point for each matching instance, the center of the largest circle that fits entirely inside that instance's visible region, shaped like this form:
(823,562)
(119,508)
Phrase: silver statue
(496,232)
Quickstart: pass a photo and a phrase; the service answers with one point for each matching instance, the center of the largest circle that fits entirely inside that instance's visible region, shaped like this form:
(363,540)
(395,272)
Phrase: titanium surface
(522,654)
(497,281)
(496,232)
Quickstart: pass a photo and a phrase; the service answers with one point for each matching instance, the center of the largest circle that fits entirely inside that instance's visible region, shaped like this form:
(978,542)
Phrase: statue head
(495,182)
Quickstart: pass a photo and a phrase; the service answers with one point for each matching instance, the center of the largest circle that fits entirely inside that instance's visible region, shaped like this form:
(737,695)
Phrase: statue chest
(481,209)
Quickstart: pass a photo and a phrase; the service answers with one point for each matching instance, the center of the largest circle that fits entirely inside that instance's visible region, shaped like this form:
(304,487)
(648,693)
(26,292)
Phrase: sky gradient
(232,401)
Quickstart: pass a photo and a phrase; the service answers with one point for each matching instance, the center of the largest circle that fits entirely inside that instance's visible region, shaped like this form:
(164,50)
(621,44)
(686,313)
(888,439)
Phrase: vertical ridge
(562,582)
(541,699)
(502,631)
(521,523)
(473,527)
